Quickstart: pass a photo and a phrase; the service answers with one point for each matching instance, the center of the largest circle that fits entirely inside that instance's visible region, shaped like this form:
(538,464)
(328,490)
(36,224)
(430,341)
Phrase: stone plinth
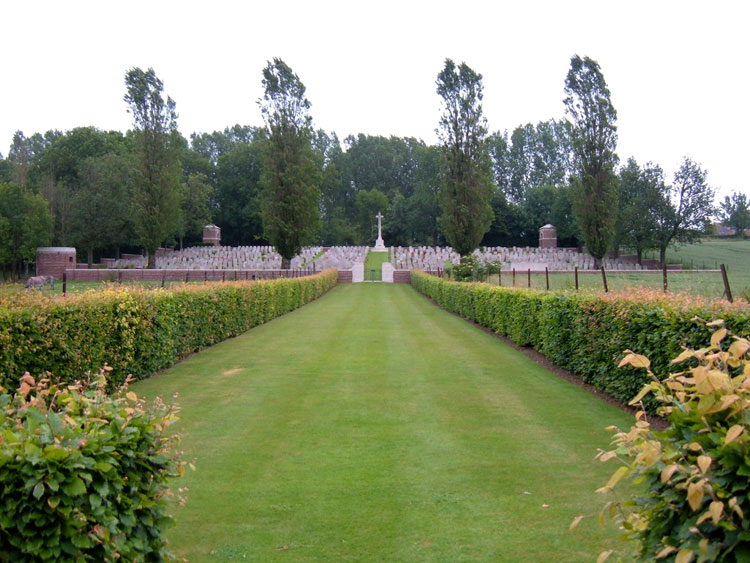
(387,270)
(358,273)
(548,237)
(212,235)
(54,260)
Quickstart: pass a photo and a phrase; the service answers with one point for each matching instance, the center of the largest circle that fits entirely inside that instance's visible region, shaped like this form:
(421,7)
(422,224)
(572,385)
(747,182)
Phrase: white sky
(677,71)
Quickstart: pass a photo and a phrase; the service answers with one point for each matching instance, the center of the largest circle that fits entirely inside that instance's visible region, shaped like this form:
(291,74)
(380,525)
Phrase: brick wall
(401,276)
(52,261)
(345,276)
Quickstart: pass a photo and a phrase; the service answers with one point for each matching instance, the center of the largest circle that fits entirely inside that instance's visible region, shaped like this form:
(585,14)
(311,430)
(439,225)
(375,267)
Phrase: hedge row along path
(372,425)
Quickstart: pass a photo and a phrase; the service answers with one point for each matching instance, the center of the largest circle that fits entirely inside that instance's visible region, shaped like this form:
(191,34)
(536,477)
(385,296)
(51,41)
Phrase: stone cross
(379,244)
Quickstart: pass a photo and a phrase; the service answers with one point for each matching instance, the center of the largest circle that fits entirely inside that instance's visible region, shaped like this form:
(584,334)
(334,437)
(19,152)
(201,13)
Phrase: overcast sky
(677,71)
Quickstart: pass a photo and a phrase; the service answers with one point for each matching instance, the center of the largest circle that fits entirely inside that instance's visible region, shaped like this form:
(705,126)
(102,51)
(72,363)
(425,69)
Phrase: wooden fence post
(546,276)
(65,283)
(576,278)
(514,277)
(727,289)
(529,278)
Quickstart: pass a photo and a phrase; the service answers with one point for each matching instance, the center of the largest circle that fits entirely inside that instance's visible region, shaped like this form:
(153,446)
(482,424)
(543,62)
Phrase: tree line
(288,184)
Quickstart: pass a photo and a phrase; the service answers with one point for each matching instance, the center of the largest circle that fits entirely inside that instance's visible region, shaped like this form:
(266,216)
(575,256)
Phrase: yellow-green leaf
(642,393)
(603,556)
(704,462)
(684,556)
(617,476)
(575,522)
(739,347)
(635,360)
(668,471)
(716,509)
(685,355)
(666,551)
(695,495)
(733,433)
(718,336)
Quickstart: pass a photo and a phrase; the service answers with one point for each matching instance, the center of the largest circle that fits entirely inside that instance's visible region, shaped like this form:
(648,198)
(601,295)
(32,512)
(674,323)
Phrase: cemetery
(270,343)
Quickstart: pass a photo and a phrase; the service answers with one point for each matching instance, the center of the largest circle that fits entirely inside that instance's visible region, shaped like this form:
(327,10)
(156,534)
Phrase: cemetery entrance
(373,274)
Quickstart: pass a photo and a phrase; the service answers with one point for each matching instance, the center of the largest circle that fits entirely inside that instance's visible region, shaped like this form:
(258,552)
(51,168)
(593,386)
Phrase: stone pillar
(358,273)
(379,244)
(54,260)
(548,237)
(387,271)
(212,235)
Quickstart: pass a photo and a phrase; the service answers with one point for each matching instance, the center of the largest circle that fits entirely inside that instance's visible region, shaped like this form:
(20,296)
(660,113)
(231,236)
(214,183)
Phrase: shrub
(83,475)
(138,331)
(697,471)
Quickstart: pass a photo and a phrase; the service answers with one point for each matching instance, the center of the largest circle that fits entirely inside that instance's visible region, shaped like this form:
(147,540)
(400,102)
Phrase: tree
(593,139)
(466,186)
(155,198)
(290,178)
(238,193)
(195,212)
(641,192)
(736,212)
(101,213)
(685,210)
(25,224)
(369,203)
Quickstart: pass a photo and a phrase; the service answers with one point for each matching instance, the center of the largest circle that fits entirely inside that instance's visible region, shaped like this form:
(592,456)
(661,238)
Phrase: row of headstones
(341,257)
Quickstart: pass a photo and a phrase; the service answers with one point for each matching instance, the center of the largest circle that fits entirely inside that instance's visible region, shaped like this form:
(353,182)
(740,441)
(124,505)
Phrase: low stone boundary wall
(345,276)
(401,276)
(129,275)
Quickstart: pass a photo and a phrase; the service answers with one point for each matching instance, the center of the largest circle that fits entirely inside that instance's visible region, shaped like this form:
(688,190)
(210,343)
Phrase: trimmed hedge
(587,334)
(138,332)
(84,474)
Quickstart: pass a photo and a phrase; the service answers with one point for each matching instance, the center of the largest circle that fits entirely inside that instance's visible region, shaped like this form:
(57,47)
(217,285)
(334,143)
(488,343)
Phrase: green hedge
(84,474)
(587,334)
(138,332)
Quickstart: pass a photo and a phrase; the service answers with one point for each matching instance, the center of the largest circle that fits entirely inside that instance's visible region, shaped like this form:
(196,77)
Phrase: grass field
(374,264)
(371,425)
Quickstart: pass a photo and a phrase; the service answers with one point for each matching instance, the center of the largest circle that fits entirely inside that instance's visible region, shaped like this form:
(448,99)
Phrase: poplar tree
(290,177)
(156,196)
(466,179)
(594,190)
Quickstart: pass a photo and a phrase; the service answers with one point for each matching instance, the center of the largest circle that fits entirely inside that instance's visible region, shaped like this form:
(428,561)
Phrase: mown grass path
(372,426)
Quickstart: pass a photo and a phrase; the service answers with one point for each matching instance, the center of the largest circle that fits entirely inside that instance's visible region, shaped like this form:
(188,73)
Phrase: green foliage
(469,269)
(685,210)
(84,474)
(156,195)
(696,470)
(138,332)
(466,186)
(594,193)
(290,178)
(735,212)
(586,334)
(25,224)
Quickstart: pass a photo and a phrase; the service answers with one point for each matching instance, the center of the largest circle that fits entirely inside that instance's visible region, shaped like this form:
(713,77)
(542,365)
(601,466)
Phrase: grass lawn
(374,264)
(371,425)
